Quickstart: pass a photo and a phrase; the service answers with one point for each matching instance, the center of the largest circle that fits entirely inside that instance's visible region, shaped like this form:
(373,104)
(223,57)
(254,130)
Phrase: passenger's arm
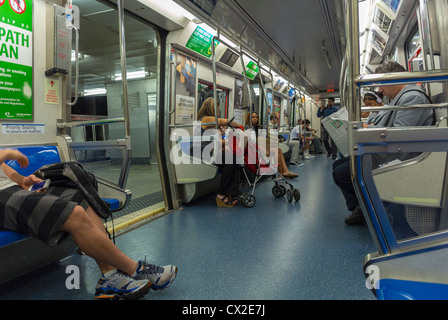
(222,122)
(13,175)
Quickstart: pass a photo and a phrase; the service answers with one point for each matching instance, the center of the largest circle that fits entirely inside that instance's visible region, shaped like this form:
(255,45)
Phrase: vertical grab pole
(353,59)
(265,92)
(125,171)
(246,81)
(215,94)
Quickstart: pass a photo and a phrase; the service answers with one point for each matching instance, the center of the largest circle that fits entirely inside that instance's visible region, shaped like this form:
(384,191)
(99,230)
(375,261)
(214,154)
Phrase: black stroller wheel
(277,191)
(248,200)
(289,196)
(296,195)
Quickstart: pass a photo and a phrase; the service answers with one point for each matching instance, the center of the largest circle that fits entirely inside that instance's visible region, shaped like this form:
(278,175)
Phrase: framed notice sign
(16,60)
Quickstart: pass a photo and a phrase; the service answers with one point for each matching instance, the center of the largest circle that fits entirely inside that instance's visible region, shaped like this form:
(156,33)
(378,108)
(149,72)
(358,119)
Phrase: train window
(382,20)
(205,90)
(414,52)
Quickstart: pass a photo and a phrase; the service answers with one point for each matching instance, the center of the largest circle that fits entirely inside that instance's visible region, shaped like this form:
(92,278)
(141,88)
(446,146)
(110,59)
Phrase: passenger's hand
(27,182)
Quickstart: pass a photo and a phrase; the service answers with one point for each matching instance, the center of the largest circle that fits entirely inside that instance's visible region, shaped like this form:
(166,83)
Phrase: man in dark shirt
(325,111)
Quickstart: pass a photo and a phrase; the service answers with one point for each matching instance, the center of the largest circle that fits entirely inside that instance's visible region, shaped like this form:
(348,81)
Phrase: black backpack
(72,175)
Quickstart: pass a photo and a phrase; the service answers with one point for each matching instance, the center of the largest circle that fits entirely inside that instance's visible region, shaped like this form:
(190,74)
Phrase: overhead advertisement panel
(201,42)
(16,60)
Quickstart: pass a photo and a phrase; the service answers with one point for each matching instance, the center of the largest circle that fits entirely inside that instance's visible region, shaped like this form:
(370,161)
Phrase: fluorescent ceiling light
(131,75)
(97,91)
(168,7)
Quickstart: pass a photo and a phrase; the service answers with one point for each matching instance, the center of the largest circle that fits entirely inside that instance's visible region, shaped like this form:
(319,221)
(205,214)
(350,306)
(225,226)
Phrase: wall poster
(185,88)
(16,60)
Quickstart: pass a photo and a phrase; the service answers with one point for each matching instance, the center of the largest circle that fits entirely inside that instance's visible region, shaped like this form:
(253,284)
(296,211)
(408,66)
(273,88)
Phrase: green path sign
(251,70)
(16,60)
(201,42)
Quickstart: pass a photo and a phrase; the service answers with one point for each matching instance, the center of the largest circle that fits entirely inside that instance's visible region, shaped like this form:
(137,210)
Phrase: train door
(399,173)
(103,99)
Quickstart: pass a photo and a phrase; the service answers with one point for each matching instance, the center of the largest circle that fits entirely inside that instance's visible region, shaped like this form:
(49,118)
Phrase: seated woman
(282,168)
(229,186)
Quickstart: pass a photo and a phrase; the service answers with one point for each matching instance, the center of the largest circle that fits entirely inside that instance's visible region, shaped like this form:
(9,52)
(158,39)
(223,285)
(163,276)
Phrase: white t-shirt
(296,132)
(5,182)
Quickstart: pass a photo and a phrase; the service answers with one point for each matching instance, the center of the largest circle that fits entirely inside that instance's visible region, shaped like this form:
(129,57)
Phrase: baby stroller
(257,168)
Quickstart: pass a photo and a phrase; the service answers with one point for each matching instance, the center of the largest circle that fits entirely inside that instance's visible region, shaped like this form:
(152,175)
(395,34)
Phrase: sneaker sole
(167,284)
(111,295)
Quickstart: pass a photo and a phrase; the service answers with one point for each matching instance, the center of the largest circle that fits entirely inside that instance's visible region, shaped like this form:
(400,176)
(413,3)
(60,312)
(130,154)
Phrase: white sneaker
(306,157)
(308,154)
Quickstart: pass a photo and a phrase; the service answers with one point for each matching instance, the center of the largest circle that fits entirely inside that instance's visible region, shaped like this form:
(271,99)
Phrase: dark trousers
(329,144)
(342,178)
(230,179)
(395,212)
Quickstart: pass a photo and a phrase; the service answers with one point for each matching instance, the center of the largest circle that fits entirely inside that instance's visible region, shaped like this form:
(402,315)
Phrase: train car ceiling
(302,59)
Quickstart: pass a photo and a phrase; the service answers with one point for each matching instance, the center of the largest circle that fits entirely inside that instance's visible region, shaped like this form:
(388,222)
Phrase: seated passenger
(307,138)
(400,95)
(229,187)
(51,215)
(296,142)
(316,142)
(282,168)
(372,99)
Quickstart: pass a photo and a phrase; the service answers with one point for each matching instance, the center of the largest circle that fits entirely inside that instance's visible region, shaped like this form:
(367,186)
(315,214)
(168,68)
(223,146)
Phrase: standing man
(325,111)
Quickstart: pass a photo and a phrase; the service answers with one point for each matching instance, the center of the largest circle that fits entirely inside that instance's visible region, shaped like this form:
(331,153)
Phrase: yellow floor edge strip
(139,218)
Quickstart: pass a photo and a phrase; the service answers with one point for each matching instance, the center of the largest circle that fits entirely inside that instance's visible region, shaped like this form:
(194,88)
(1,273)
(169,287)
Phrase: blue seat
(7,237)
(113,203)
(37,156)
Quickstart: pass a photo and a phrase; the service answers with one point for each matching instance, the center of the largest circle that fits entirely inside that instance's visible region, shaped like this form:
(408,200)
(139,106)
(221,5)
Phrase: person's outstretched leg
(91,238)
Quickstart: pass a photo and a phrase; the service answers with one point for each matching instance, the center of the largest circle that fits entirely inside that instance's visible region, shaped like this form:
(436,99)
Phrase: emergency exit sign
(16,60)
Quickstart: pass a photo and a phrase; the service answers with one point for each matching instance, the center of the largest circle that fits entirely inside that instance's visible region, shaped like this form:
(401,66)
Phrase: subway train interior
(118,86)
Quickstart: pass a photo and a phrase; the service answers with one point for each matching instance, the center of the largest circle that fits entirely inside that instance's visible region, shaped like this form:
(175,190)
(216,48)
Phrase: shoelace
(150,269)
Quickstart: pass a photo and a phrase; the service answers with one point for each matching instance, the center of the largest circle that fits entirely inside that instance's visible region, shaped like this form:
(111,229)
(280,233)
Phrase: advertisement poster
(185,88)
(16,60)
(251,70)
(201,42)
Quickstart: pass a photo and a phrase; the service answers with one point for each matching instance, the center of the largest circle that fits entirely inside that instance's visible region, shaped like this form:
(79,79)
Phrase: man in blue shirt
(325,111)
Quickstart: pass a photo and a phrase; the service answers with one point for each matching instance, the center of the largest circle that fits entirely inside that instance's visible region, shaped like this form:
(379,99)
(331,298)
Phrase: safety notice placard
(52,91)
(16,60)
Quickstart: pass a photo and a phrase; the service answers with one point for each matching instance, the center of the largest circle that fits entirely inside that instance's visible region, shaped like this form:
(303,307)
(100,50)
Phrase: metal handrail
(397,78)
(63,125)
(443,105)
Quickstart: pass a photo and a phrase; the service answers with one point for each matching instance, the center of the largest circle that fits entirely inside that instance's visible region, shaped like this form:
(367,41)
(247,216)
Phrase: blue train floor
(273,251)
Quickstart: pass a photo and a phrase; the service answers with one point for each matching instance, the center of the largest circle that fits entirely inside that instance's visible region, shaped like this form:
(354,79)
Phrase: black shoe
(356,218)
(328,155)
(334,157)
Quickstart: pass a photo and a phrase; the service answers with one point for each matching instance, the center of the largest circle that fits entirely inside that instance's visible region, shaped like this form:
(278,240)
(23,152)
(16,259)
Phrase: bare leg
(282,168)
(88,232)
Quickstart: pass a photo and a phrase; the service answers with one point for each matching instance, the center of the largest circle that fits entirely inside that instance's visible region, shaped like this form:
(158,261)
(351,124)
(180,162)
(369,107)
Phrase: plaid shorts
(39,215)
